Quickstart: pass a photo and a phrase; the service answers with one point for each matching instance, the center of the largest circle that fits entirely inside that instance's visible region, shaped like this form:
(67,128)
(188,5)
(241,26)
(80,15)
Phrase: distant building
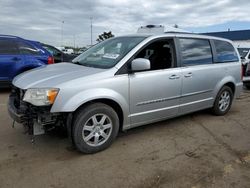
(241,38)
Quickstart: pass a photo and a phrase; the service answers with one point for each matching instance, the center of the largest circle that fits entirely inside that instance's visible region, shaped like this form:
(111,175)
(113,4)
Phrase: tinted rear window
(8,47)
(195,52)
(225,52)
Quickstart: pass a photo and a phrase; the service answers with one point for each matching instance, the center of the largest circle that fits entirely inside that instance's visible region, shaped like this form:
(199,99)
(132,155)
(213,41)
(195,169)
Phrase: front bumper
(35,119)
(16,114)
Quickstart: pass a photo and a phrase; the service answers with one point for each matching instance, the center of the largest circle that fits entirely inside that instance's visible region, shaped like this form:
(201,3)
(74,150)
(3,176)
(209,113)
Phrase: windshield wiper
(83,64)
(77,62)
(87,65)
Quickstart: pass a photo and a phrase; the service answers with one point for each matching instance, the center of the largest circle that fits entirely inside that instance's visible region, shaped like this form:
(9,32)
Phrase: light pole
(91,28)
(74,42)
(62,34)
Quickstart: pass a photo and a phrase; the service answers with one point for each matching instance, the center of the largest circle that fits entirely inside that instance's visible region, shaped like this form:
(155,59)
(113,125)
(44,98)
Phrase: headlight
(41,97)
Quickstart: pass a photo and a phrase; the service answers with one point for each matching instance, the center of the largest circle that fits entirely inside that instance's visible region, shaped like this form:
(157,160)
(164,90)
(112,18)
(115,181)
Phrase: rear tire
(247,85)
(95,127)
(223,101)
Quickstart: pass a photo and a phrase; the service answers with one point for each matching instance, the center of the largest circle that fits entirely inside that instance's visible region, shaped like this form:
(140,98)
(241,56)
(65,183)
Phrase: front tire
(95,128)
(223,101)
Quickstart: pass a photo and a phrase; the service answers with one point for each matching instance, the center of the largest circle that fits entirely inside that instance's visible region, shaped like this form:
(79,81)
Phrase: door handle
(173,77)
(16,58)
(188,75)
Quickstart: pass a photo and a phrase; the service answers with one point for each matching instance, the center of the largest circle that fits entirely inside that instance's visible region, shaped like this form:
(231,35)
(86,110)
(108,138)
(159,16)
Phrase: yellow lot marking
(247,158)
(228,169)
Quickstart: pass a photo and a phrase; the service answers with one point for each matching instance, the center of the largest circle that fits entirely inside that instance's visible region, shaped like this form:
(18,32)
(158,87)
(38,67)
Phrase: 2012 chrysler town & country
(126,82)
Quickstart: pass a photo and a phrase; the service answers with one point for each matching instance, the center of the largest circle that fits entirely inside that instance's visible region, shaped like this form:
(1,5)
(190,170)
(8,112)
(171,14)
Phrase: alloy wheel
(224,101)
(97,130)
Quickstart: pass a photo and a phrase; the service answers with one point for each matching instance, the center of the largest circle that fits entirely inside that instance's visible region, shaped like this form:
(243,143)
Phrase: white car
(68,51)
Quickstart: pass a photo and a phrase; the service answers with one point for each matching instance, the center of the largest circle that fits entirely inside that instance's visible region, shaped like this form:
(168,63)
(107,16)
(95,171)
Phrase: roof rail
(181,32)
(8,36)
(151,29)
(157,29)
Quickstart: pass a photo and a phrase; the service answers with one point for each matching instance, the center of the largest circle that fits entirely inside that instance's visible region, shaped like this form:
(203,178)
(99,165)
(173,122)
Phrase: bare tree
(104,36)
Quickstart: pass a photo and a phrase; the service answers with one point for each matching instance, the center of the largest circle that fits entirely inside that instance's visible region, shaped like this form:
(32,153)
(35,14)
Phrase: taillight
(50,60)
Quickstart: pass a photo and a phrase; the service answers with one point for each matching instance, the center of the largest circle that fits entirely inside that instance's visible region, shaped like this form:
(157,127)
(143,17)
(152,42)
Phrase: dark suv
(18,55)
(58,55)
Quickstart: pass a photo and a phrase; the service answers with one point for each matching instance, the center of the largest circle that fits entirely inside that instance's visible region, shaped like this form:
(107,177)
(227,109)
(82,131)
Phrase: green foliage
(104,36)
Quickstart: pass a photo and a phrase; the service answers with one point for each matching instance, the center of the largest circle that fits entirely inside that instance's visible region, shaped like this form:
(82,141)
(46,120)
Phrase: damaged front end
(36,119)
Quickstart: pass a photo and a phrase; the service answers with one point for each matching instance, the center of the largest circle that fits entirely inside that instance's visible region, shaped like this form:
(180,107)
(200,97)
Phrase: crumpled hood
(53,75)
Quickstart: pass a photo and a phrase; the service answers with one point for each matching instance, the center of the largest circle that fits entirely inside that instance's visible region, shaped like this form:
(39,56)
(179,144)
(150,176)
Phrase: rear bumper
(246,79)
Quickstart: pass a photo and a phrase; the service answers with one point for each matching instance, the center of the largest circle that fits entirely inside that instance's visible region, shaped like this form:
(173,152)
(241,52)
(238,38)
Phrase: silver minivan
(125,82)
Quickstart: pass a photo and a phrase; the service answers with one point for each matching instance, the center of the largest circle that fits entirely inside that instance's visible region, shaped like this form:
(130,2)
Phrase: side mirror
(140,64)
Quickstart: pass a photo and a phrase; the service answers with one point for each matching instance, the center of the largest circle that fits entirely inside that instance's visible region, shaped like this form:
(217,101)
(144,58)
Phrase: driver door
(155,93)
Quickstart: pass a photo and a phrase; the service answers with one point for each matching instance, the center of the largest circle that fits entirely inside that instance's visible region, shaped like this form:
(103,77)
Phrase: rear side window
(27,49)
(225,52)
(195,52)
(51,50)
(8,47)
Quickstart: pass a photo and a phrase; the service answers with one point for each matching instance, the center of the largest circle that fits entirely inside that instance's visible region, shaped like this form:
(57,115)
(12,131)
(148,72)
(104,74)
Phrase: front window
(8,47)
(107,53)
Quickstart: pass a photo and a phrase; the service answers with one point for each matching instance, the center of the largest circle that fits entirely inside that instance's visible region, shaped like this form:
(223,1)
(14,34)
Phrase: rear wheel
(223,101)
(95,127)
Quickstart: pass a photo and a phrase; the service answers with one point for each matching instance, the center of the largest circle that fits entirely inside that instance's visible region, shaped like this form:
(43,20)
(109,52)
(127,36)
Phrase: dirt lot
(198,150)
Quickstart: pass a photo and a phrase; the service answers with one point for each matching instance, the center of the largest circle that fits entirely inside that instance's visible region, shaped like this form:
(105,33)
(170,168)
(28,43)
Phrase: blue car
(18,55)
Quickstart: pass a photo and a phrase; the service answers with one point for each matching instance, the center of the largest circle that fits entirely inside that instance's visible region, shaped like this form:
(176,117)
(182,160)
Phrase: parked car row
(18,55)
(59,56)
(245,59)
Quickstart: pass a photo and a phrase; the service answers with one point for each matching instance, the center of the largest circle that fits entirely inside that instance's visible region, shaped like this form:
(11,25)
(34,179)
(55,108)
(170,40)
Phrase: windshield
(243,51)
(107,53)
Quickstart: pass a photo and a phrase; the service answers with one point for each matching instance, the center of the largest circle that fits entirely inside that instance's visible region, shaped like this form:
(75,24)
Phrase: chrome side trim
(167,108)
(152,111)
(203,100)
(197,93)
(157,100)
(171,98)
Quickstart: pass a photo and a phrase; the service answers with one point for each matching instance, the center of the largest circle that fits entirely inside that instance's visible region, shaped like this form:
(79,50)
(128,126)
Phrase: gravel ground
(197,150)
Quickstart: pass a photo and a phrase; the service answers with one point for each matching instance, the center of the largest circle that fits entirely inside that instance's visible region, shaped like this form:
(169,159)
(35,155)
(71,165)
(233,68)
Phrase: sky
(67,22)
